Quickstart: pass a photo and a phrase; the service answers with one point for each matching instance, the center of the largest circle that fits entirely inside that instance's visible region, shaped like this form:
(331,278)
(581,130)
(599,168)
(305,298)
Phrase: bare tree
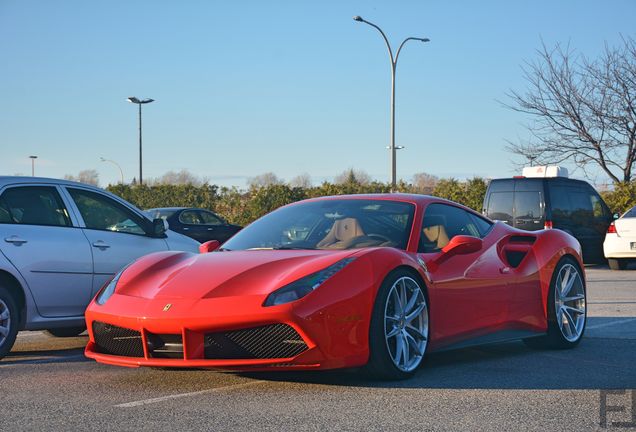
(352,176)
(89,176)
(301,180)
(176,178)
(584,110)
(424,182)
(265,179)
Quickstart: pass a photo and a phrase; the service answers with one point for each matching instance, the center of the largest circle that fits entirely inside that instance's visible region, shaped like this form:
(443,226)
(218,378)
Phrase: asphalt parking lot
(47,384)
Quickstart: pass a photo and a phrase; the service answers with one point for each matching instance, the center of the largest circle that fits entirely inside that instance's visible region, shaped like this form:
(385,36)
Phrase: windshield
(159,214)
(329,224)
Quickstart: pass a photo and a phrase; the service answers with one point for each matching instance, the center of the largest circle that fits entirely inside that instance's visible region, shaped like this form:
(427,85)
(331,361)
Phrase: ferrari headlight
(300,288)
(108,290)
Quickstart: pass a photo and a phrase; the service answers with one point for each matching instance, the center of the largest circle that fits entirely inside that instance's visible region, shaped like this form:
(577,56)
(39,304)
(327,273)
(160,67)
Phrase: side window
(443,222)
(102,213)
(581,207)
(209,218)
(599,210)
(500,206)
(483,226)
(33,205)
(190,217)
(560,202)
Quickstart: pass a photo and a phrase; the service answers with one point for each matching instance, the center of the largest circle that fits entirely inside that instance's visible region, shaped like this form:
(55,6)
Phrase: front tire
(398,335)
(9,321)
(567,308)
(617,263)
(66,332)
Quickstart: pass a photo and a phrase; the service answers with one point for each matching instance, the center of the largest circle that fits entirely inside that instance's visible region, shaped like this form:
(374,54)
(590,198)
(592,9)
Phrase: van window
(528,205)
(560,203)
(500,206)
(600,211)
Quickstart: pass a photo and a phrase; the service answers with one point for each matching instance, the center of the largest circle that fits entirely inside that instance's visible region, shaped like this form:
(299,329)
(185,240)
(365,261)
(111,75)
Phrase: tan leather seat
(436,234)
(341,234)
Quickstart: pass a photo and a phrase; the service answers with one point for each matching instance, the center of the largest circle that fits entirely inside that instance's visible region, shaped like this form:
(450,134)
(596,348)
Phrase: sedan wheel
(399,328)
(8,322)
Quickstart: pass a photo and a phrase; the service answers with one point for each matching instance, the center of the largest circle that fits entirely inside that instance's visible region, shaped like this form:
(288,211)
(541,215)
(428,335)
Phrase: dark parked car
(199,224)
(533,203)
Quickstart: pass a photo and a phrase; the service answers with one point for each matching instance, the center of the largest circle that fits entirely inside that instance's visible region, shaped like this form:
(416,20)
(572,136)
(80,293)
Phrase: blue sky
(247,87)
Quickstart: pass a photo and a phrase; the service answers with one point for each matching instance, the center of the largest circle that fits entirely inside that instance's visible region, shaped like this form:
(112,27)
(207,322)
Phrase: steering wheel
(380,236)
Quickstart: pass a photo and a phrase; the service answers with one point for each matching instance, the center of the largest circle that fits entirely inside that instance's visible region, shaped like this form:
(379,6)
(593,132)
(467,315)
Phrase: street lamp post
(117,165)
(33,158)
(139,102)
(394,60)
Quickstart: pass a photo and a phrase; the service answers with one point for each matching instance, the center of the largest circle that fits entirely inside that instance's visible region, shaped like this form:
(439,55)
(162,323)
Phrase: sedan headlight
(300,288)
(108,290)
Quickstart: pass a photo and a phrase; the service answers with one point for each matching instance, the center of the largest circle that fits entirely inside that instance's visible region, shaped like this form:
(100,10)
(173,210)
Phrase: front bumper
(222,333)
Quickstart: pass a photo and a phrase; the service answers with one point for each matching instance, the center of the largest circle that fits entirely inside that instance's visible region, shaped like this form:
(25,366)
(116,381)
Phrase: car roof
(9,180)
(402,197)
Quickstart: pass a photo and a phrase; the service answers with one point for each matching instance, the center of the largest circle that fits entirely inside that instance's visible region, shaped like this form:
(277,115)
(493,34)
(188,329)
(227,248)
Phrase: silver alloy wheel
(569,302)
(406,324)
(5,321)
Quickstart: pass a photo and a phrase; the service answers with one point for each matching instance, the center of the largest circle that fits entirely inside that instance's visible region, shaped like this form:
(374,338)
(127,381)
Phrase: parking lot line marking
(623,321)
(181,395)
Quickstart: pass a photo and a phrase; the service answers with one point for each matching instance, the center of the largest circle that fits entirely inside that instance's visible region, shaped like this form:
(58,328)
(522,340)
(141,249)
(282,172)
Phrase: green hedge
(622,198)
(242,207)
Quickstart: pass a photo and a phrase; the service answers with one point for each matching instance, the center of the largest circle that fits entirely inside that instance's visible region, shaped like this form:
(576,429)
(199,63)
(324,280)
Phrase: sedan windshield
(329,224)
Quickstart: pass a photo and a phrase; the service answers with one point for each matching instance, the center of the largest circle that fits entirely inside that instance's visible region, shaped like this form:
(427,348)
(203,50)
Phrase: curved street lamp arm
(405,41)
(388,45)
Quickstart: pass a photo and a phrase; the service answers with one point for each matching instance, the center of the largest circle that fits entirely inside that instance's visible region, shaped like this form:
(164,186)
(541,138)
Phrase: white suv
(60,241)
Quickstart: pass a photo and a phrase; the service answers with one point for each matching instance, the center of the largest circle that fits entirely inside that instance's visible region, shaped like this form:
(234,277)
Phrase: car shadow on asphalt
(67,355)
(596,363)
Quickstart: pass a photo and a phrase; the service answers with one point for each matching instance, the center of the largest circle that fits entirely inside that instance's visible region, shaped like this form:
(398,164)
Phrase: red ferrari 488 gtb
(347,281)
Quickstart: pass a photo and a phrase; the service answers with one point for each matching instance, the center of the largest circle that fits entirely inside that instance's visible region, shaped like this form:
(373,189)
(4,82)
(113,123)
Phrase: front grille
(165,345)
(271,341)
(117,341)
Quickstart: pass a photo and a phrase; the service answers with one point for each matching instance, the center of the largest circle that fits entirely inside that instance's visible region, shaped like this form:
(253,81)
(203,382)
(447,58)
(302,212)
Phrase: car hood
(173,275)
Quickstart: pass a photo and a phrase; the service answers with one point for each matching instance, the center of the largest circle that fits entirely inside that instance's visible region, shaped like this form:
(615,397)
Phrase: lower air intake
(117,341)
(266,342)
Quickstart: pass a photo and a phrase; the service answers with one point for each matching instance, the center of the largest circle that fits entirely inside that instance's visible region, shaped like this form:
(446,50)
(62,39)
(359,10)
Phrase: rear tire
(9,321)
(617,263)
(66,332)
(398,335)
(567,309)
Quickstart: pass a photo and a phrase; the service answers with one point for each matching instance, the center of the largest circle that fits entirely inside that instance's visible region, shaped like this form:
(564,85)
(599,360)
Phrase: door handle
(186,228)
(210,229)
(15,240)
(101,244)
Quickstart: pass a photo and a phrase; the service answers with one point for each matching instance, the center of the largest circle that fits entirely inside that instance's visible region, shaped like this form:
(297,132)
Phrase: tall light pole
(117,165)
(394,60)
(134,100)
(33,158)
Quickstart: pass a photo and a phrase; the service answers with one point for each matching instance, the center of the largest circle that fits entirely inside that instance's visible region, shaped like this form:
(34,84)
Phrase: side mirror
(209,246)
(462,245)
(159,227)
